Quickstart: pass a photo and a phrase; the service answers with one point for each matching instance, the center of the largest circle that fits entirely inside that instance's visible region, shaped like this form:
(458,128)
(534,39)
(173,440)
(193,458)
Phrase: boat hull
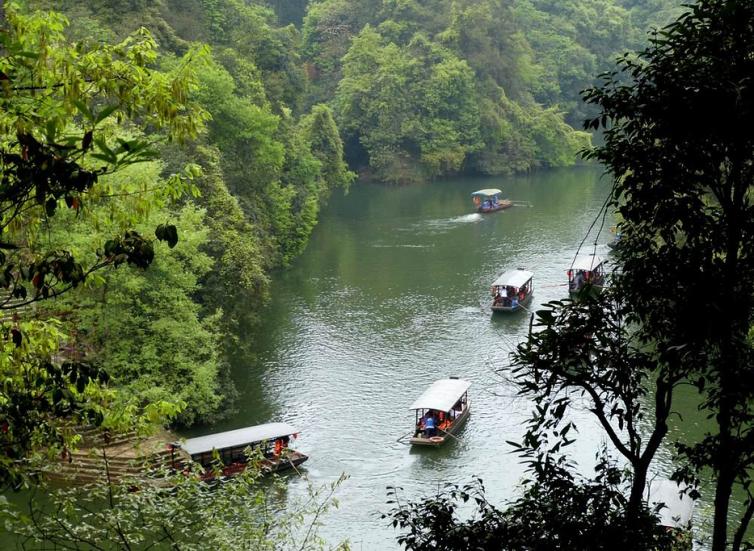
(292,460)
(442,438)
(512,308)
(267,466)
(504,204)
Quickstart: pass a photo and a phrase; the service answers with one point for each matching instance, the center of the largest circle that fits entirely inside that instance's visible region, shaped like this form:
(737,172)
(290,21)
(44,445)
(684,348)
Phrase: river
(391,294)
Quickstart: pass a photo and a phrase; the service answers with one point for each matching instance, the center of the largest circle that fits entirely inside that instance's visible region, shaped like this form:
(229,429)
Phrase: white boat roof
(678,507)
(442,395)
(238,437)
(587,262)
(488,192)
(514,278)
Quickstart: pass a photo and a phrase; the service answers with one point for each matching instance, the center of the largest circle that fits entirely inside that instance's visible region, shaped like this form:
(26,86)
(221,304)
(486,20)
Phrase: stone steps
(124,456)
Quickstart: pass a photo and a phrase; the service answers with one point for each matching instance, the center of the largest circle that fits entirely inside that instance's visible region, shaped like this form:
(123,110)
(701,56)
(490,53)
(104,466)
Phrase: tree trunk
(638,485)
(736,326)
(722,503)
(663,400)
(745,520)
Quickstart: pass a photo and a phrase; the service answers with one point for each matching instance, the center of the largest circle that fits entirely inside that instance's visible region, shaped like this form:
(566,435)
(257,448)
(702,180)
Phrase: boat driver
(429,425)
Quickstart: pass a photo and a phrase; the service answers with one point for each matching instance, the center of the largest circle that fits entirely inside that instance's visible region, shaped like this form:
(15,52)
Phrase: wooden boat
(271,440)
(586,269)
(512,290)
(488,200)
(440,411)
(615,242)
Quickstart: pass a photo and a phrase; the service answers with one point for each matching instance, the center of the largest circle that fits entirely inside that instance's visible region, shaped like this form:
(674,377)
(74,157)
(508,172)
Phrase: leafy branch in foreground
(557,511)
(66,111)
(585,352)
(179,512)
(58,101)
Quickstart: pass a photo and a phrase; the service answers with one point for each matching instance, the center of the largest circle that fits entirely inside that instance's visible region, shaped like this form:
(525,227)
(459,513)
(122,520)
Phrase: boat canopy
(587,263)
(513,278)
(238,437)
(486,192)
(442,395)
(678,506)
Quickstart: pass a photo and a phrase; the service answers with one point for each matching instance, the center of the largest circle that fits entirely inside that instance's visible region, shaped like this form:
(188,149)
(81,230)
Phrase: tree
(586,351)
(411,108)
(680,145)
(321,132)
(558,511)
(59,104)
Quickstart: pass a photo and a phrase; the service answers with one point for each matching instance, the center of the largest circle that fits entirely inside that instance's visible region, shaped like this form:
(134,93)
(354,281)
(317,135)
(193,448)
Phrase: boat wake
(466,218)
(401,246)
(444,224)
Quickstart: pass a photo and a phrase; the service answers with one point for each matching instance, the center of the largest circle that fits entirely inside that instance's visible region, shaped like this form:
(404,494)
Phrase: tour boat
(271,440)
(440,411)
(615,242)
(586,269)
(512,290)
(488,200)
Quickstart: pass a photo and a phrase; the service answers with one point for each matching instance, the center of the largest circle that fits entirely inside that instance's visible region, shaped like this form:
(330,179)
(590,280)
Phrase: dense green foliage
(72,117)
(266,168)
(182,513)
(430,87)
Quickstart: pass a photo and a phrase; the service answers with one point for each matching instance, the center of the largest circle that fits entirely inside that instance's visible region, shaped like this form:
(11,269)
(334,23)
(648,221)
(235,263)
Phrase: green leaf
(83,109)
(106,112)
(109,154)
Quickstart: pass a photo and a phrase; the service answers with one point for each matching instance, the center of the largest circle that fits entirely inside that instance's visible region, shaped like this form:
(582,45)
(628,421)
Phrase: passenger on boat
(443,421)
(429,425)
(280,445)
(504,294)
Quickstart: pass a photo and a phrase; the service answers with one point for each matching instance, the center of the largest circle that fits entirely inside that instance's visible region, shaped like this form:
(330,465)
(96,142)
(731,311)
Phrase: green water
(391,294)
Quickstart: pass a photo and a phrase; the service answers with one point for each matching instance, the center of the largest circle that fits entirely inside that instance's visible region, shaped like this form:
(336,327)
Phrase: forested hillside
(404,90)
(259,174)
(429,87)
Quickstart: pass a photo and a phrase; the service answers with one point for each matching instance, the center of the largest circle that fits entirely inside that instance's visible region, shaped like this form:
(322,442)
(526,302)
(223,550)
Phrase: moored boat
(441,411)
(271,440)
(586,270)
(512,290)
(488,200)
(615,242)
